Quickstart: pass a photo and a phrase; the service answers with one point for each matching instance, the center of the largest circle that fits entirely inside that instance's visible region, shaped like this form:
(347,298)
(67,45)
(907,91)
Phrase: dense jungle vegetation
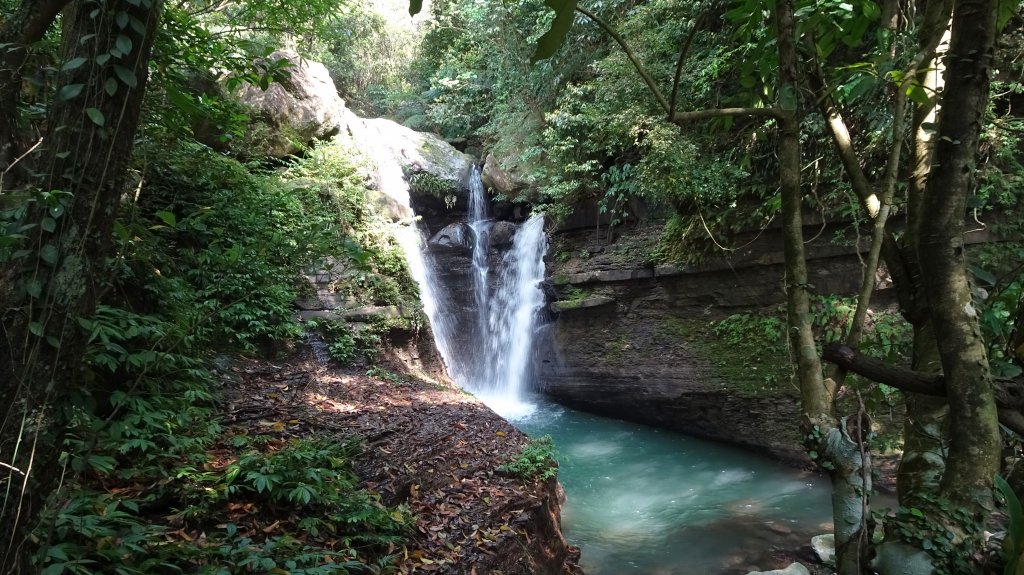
(132,254)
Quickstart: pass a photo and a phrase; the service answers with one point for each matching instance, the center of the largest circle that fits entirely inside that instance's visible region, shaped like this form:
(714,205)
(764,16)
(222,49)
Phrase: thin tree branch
(12,468)
(679,63)
(640,69)
(1009,392)
(697,115)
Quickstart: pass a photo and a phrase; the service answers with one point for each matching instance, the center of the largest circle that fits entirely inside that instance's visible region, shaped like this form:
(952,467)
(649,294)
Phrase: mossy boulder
(291,114)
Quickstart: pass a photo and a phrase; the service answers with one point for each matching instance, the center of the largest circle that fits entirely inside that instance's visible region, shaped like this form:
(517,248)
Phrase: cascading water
(504,375)
(481,227)
(495,364)
(498,368)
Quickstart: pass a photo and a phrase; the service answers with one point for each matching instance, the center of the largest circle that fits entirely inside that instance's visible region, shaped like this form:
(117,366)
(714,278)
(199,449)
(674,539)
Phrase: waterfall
(487,342)
(481,227)
(505,310)
(505,372)
(495,361)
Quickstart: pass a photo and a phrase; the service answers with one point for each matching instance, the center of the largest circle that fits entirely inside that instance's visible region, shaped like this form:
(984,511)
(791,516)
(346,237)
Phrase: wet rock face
(498,180)
(434,168)
(457,237)
(627,339)
(502,234)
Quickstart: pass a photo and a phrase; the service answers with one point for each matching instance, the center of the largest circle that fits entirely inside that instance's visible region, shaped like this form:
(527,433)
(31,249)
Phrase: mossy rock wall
(634,340)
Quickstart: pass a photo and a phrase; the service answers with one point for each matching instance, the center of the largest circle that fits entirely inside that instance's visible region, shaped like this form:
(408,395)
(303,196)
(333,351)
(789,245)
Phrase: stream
(646,501)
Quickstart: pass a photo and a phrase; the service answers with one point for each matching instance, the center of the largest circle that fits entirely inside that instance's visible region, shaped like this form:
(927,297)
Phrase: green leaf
(103,59)
(55,569)
(918,94)
(34,287)
(69,91)
(126,76)
(101,463)
(96,116)
(1005,12)
(168,218)
(123,43)
(565,12)
(138,26)
(49,254)
(36,328)
(110,86)
(122,20)
(73,64)
(984,275)
(48,224)
(787,98)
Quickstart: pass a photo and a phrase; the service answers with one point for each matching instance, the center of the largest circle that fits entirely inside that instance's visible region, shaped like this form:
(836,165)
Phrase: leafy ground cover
(430,453)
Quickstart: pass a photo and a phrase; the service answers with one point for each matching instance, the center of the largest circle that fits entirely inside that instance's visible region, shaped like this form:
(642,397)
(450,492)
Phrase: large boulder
(437,173)
(457,237)
(294,112)
(824,547)
(499,180)
(502,234)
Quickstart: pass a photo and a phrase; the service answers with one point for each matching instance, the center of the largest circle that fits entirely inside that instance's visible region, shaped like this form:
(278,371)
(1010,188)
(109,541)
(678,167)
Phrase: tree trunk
(90,135)
(835,442)
(925,429)
(19,30)
(974,447)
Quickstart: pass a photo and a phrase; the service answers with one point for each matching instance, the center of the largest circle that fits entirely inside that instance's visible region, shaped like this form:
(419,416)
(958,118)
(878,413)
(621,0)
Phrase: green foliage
(429,184)
(347,344)
(368,51)
(748,328)
(150,445)
(385,375)
(310,482)
(948,534)
(749,350)
(1013,539)
(536,461)
(886,334)
(474,72)
(574,296)
(226,244)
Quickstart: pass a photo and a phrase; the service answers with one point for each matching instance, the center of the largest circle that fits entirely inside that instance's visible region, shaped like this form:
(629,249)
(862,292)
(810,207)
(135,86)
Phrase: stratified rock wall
(626,341)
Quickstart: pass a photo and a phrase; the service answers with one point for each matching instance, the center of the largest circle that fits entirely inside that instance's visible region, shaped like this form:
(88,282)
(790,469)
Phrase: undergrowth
(536,461)
(208,260)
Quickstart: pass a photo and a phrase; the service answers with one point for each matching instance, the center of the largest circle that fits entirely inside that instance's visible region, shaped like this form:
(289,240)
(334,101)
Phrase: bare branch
(698,115)
(679,62)
(1009,392)
(12,468)
(640,69)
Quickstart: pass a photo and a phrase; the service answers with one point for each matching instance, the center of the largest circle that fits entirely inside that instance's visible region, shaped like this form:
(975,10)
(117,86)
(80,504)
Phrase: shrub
(536,461)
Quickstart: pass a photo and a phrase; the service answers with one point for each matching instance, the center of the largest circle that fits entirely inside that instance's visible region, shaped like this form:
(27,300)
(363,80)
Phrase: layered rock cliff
(631,340)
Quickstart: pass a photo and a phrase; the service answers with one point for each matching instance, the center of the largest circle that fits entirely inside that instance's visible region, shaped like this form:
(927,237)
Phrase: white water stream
(495,365)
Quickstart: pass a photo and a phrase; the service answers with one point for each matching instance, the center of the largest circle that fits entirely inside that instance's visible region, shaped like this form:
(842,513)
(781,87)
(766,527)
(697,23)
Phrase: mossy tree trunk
(91,130)
(925,428)
(837,443)
(974,445)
